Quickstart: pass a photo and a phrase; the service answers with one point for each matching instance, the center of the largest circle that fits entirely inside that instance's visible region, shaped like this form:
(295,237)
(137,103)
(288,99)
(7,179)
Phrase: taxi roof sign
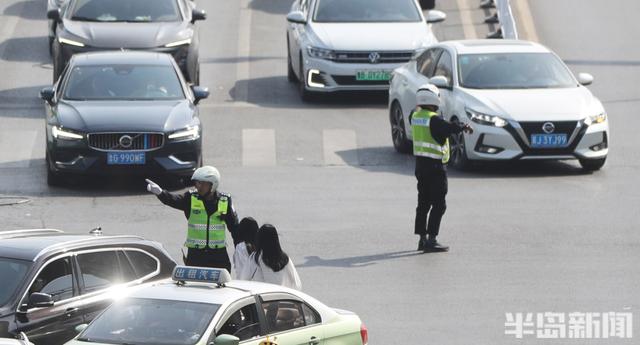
(183,274)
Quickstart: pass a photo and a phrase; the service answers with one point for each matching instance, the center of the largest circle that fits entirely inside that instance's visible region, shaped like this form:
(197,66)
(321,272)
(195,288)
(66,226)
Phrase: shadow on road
(26,49)
(278,92)
(236,59)
(271,6)
(386,159)
(356,261)
(32,10)
(22,102)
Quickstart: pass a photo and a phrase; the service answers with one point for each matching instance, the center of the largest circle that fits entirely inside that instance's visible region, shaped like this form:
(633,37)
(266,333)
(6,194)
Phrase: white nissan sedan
(522,100)
(336,45)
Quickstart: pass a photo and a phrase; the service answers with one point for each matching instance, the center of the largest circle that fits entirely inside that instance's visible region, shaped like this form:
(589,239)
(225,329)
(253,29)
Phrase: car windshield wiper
(85,19)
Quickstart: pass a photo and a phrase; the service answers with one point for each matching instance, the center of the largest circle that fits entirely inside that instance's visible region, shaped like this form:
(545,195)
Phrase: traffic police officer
(431,148)
(209,215)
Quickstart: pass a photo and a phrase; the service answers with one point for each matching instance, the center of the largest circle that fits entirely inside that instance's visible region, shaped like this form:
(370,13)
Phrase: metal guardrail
(503,17)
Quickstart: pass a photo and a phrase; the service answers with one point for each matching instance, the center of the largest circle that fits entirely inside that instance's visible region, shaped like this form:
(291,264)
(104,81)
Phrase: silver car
(521,99)
(335,45)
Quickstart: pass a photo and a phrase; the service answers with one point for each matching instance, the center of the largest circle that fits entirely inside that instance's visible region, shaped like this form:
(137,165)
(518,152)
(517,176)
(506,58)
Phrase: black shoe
(433,246)
(484,4)
(421,243)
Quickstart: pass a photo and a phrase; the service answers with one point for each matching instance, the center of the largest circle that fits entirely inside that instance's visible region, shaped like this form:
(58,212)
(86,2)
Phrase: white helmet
(428,94)
(207,174)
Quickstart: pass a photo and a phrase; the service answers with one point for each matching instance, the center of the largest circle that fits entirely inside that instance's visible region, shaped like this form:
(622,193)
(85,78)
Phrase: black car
(165,26)
(126,113)
(53,281)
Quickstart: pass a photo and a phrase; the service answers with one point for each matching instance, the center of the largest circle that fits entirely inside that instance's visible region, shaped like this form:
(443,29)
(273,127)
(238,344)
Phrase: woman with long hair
(246,233)
(269,263)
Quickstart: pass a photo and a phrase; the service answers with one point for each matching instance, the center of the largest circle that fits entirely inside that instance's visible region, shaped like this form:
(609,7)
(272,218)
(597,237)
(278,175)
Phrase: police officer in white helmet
(431,148)
(210,214)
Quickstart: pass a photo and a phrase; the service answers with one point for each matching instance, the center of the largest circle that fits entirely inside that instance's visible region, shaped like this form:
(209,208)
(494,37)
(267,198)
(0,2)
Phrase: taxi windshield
(141,321)
(12,272)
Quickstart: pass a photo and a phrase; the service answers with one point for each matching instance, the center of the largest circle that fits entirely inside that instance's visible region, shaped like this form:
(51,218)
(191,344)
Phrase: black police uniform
(205,257)
(432,181)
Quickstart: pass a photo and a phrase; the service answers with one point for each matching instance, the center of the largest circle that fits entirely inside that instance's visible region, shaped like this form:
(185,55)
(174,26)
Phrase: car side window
(427,61)
(56,279)
(310,316)
(99,270)
(243,324)
(143,263)
(444,67)
(283,315)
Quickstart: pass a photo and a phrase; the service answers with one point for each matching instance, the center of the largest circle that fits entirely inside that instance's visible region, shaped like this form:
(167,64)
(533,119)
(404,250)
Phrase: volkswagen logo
(548,127)
(126,141)
(374,57)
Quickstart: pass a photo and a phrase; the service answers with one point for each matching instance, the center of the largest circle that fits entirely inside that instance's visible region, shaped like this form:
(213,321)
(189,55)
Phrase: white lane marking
(258,147)
(526,19)
(241,92)
(467,22)
(8,26)
(340,147)
(16,148)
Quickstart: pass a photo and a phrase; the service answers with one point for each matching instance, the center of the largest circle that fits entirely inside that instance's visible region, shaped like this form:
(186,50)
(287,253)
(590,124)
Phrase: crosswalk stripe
(16,148)
(339,146)
(258,147)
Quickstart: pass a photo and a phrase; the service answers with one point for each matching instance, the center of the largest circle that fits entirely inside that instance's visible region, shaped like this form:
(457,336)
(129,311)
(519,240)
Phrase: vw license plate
(548,140)
(373,75)
(125,158)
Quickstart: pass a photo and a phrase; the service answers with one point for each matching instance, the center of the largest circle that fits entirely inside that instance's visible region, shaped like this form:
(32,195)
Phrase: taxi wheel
(458,150)
(398,132)
(592,164)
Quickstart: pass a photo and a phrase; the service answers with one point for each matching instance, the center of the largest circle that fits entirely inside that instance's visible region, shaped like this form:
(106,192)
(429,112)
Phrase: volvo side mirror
(47,94)
(197,14)
(40,300)
(199,93)
(54,14)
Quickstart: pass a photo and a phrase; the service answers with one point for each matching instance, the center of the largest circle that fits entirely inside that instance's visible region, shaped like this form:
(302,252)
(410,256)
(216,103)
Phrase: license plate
(373,75)
(548,140)
(125,158)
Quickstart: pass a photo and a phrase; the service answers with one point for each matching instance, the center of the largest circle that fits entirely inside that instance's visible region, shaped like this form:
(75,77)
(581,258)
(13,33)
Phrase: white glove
(153,187)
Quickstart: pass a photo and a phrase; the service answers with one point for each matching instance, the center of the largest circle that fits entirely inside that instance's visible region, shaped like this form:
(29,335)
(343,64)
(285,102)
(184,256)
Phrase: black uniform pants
(432,190)
(208,257)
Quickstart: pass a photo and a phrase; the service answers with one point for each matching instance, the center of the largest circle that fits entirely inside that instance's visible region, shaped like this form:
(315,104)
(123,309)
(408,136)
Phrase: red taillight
(364,334)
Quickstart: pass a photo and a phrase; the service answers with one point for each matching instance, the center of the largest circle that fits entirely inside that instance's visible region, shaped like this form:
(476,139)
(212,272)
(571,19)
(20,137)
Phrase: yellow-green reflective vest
(201,227)
(424,145)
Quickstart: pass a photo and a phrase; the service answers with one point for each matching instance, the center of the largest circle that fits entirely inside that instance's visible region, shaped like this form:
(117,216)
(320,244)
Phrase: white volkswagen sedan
(336,45)
(524,103)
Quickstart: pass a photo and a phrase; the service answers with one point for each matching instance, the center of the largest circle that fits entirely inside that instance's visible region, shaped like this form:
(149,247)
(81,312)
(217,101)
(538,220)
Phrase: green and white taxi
(203,306)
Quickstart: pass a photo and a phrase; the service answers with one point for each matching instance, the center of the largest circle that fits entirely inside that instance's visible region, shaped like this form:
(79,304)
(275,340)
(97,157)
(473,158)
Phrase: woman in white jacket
(247,230)
(269,263)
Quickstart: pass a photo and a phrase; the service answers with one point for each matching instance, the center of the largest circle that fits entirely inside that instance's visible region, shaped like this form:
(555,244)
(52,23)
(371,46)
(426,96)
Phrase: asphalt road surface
(525,238)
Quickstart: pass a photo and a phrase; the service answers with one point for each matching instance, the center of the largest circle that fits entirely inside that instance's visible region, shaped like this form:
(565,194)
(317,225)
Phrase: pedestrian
(210,214)
(269,263)
(246,234)
(431,148)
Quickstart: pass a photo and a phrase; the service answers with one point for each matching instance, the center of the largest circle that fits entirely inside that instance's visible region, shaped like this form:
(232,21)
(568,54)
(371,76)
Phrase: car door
(444,68)
(55,324)
(243,320)
(290,321)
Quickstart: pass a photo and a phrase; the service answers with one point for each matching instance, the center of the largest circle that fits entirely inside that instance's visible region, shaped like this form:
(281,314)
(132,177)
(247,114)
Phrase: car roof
(126,57)
(29,244)
(495,46)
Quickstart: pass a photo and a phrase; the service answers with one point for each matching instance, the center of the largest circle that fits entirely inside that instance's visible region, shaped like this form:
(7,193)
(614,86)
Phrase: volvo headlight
(189,133)
(59,133)
(178,43)
(484,119)
(70,42)
(321,53)
(592,120)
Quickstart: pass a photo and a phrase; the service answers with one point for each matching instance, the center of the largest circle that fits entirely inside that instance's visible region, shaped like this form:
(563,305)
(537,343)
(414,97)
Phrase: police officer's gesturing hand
(153,187)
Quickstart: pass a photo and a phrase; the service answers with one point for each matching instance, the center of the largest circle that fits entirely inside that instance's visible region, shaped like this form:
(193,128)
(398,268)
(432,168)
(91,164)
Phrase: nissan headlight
(65,134)
(595,119)
(484,119)
(189,133)
(70,42)
(178,43)
(321,53)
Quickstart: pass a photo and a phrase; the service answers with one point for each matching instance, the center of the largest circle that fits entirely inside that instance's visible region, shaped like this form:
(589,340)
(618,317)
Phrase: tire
(51,45)
(53,179)
(291,75)
(592,164)
(398,132)
(428,4)
(459,159)
(57,69)
(196,79)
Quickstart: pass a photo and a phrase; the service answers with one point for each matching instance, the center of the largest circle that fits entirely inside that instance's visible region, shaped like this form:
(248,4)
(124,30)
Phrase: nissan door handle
(314,341)
(70,311)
